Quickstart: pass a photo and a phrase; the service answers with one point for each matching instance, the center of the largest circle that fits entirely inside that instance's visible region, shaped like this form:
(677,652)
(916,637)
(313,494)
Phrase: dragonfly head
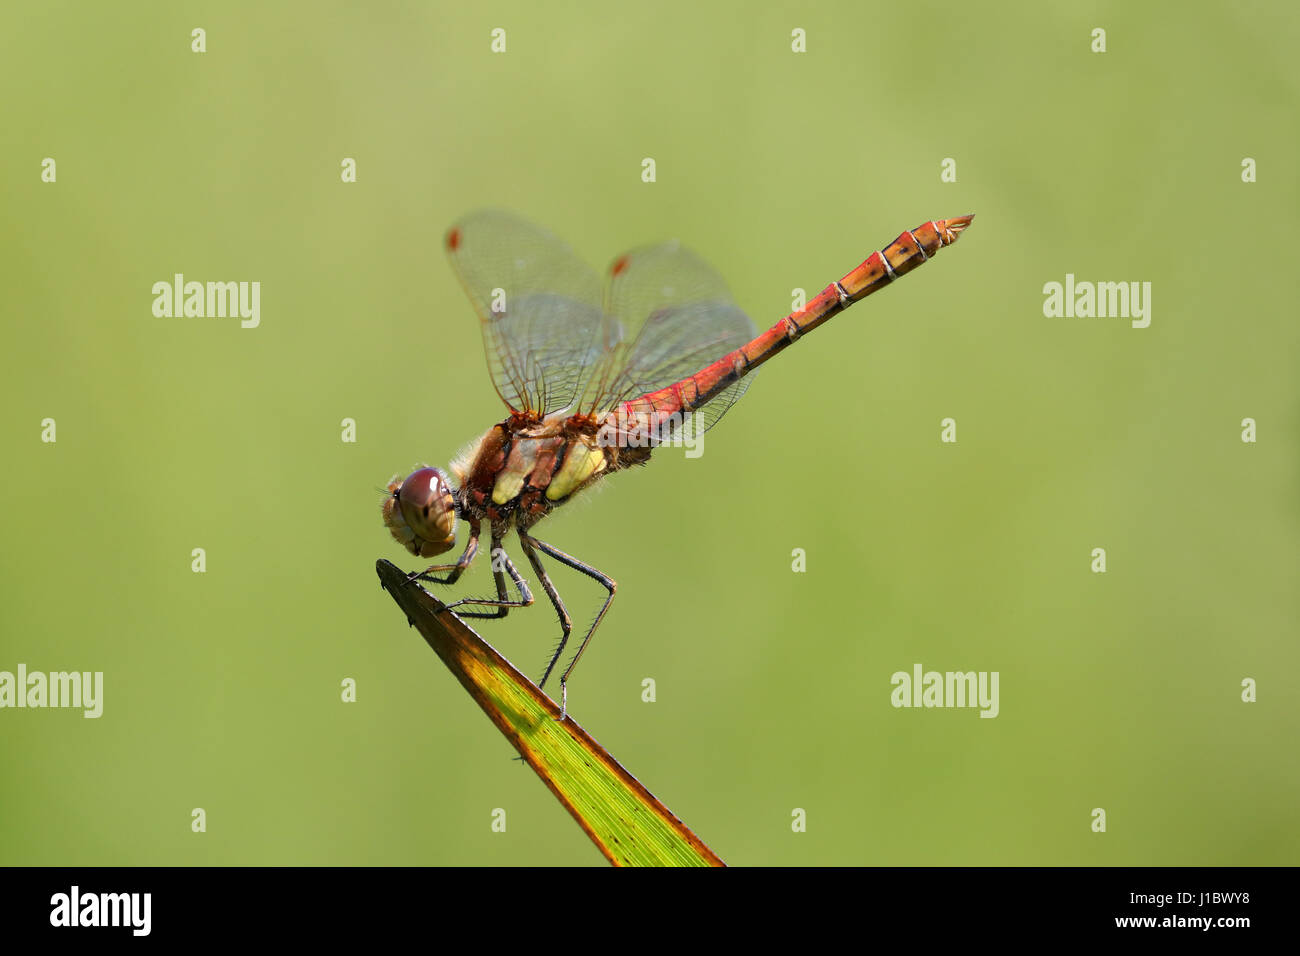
(421,512)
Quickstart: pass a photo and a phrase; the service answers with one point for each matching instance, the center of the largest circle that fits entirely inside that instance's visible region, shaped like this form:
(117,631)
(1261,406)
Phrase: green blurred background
(222,690)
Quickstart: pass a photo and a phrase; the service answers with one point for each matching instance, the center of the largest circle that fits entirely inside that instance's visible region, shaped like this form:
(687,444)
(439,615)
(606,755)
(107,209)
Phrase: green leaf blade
(625,821)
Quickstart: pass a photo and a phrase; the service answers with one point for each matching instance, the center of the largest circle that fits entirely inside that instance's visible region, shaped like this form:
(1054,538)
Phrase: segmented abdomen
(907,252)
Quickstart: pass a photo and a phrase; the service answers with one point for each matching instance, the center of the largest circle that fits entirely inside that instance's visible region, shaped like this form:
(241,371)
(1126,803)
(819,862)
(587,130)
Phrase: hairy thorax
(524,467)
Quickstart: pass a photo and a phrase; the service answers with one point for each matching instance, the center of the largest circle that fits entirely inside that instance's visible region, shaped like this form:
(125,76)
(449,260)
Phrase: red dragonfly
(594,380)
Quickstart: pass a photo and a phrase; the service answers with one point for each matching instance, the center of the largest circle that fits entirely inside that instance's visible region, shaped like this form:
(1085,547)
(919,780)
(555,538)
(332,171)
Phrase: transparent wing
(671,316)
(539,306)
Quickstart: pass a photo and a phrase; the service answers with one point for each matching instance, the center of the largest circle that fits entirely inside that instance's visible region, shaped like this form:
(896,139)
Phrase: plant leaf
(622,817)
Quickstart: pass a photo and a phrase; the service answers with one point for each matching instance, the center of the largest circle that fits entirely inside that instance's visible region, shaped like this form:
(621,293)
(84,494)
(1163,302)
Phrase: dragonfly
(595,375)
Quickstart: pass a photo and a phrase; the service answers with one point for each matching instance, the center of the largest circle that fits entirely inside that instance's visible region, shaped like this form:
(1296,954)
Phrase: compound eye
(421,488)
(427,505)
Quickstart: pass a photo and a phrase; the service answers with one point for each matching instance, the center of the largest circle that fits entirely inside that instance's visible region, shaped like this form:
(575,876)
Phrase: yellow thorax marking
(580,463)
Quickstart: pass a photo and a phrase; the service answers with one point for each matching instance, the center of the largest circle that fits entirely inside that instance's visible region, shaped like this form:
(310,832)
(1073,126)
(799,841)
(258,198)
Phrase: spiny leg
(608,583)
(456,570)
(566,623)
(502,604)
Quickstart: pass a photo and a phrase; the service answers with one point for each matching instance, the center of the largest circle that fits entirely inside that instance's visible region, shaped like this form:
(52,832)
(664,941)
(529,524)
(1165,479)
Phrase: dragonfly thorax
(519,471)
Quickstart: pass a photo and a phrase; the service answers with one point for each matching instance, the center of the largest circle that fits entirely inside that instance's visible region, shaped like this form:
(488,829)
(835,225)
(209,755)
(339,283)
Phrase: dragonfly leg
(502,605)
(566,623)
(455,570)
(608,583)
